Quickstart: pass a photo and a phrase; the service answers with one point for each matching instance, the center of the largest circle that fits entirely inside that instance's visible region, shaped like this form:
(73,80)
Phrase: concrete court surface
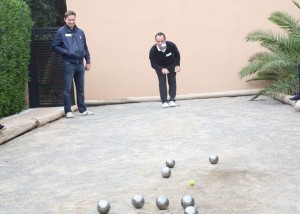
(68,165)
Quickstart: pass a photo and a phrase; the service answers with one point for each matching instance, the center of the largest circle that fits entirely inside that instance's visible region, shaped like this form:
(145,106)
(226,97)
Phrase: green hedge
(15,34)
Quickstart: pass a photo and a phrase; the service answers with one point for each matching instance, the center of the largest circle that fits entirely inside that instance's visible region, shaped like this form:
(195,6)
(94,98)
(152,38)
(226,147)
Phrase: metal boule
(213,159)
(166,172)
(190,210)
(138,201)
(170,163)
(187,201)
(162,202)
(103,207)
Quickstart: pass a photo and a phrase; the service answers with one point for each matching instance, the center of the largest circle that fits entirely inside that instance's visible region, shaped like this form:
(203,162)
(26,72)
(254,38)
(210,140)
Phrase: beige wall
(209,34)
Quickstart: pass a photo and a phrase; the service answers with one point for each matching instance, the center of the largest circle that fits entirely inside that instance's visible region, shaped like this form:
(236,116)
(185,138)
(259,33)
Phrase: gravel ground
(67,166)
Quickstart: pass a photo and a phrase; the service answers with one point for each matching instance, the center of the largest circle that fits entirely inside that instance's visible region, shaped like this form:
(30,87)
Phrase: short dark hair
(69,13)
(160,34)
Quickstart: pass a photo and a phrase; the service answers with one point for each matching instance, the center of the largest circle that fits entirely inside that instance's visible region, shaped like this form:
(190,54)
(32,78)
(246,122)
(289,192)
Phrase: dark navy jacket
(168,59)
(71,44)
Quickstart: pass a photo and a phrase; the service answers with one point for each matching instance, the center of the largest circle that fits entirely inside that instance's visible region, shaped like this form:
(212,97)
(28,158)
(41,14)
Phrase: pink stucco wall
(209,34)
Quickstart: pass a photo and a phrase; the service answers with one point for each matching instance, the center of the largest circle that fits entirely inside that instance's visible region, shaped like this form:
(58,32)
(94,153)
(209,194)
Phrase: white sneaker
(86,113)
(69,115)
(165,105)
(172,104)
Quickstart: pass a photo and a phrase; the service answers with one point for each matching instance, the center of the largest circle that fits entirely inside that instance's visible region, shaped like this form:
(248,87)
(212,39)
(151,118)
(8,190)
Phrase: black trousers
(299,74)
(162,79)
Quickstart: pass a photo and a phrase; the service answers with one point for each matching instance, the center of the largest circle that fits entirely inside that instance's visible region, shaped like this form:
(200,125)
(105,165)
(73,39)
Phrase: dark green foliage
(278,63)
(47,12)
(61,8)
(15,32)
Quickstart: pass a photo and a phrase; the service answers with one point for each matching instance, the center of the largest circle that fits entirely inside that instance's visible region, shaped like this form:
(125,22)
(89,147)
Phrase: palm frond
(296,3)
(269,77)
(288,84)
(286,22)
(268,63)
(256,95)
(274,42)
(258,56)
(255,63)
(249,69)
(279,63)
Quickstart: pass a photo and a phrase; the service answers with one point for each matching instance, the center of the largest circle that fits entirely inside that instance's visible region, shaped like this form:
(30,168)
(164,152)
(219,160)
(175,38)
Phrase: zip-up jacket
(168,59)
(71,44)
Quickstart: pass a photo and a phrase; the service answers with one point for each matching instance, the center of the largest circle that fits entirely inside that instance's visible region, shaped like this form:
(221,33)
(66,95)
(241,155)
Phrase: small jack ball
(213,159)
(192,183)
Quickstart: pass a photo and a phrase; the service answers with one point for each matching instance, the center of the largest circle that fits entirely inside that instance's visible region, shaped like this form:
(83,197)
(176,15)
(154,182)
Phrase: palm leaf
(288,84)
(256,95)
(296,3)
(286,22)
(274,42)
(279,64)
(268,63)
(257,56)
(255,63)
(263,77)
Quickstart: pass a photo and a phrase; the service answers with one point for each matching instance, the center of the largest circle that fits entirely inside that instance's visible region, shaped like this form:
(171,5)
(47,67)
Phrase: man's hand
(165,71)
(177,68)
(87,67)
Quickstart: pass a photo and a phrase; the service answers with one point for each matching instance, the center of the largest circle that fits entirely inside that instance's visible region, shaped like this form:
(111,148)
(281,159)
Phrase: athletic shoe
(86,113)
(69,115)
(172,104)
(2,127)
(165,105)
(296,97)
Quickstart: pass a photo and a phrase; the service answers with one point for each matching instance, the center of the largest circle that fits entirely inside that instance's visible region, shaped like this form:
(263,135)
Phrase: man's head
(160,40)
(70,18)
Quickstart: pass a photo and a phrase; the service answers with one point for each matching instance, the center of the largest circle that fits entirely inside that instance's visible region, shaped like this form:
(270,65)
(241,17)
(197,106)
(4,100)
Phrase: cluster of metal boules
(166,171)
(188,202)
(170,163)
(162,202)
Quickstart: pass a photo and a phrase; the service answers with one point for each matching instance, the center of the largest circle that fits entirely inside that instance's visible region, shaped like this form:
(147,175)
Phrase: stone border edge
(26,126)
(178,97)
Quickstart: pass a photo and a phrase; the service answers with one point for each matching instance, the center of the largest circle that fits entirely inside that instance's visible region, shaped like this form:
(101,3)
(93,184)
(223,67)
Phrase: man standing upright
(165,60)
(296,97)
(70,42)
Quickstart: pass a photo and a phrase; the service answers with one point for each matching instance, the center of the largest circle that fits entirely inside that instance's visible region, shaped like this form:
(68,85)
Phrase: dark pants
(299,75)
(162,79)
(76,72)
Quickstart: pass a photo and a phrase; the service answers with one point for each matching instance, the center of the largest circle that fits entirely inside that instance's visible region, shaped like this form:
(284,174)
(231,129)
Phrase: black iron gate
(46,76)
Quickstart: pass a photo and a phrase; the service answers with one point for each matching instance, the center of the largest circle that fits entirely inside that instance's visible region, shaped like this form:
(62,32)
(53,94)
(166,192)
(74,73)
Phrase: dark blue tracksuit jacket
(71,44)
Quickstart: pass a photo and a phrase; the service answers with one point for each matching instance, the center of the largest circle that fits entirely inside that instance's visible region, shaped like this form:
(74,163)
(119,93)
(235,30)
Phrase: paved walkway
(68,165)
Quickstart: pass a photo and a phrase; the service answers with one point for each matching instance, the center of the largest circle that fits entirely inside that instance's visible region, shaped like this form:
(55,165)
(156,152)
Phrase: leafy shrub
(47,12)
(15,33)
